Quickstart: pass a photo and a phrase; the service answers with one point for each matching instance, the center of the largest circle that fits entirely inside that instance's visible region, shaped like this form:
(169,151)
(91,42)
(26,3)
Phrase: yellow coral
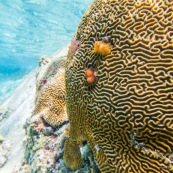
(130,107)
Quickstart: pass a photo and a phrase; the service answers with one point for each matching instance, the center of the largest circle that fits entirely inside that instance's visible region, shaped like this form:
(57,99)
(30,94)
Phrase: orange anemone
(91,79)
(102,48)
(89,72)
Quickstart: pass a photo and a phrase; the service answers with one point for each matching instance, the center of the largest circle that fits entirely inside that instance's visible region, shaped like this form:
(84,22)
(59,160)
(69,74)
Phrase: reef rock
(126,115)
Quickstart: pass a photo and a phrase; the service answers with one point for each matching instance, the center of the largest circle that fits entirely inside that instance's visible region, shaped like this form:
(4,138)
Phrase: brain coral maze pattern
(126,116)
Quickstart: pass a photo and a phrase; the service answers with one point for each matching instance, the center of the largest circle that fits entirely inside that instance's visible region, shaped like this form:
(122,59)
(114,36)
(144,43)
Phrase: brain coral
(127,115)
(50,100)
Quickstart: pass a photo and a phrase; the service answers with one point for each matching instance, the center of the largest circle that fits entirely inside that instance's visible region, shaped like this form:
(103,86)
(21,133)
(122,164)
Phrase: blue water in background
(30,29)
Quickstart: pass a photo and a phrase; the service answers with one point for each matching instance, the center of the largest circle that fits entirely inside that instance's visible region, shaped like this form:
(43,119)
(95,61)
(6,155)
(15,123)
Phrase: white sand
(22,103)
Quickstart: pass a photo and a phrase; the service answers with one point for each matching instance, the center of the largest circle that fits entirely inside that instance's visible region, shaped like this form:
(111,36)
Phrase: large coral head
(127,115)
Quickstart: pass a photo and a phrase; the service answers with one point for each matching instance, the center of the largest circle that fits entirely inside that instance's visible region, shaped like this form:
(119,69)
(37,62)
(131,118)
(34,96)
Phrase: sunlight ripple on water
(30,29)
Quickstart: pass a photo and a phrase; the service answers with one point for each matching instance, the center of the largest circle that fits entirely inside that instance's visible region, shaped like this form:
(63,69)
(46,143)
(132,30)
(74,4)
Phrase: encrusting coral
(126,117)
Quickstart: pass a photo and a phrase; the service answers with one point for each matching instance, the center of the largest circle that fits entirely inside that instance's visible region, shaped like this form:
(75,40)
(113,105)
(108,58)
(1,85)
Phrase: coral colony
(126,118)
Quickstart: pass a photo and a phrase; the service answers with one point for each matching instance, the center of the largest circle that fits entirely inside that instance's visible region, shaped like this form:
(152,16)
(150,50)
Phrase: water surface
(30,29)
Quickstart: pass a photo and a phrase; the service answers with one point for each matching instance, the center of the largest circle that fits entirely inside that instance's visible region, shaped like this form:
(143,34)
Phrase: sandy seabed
(19,106)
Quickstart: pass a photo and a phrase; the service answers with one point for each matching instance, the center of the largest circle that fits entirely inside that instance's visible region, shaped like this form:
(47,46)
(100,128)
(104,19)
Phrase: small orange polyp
(96,46)
(89,72)
(102,48)
(91,79)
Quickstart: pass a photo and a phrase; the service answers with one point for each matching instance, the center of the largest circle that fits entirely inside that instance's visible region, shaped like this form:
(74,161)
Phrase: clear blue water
(30,29)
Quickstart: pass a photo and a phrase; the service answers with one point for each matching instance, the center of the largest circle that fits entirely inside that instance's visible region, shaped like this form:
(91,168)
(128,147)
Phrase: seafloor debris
(3,160)
(5,113)
(4,152)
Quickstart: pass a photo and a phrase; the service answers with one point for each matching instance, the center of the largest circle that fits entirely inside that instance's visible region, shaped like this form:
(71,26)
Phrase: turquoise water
(30,29)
